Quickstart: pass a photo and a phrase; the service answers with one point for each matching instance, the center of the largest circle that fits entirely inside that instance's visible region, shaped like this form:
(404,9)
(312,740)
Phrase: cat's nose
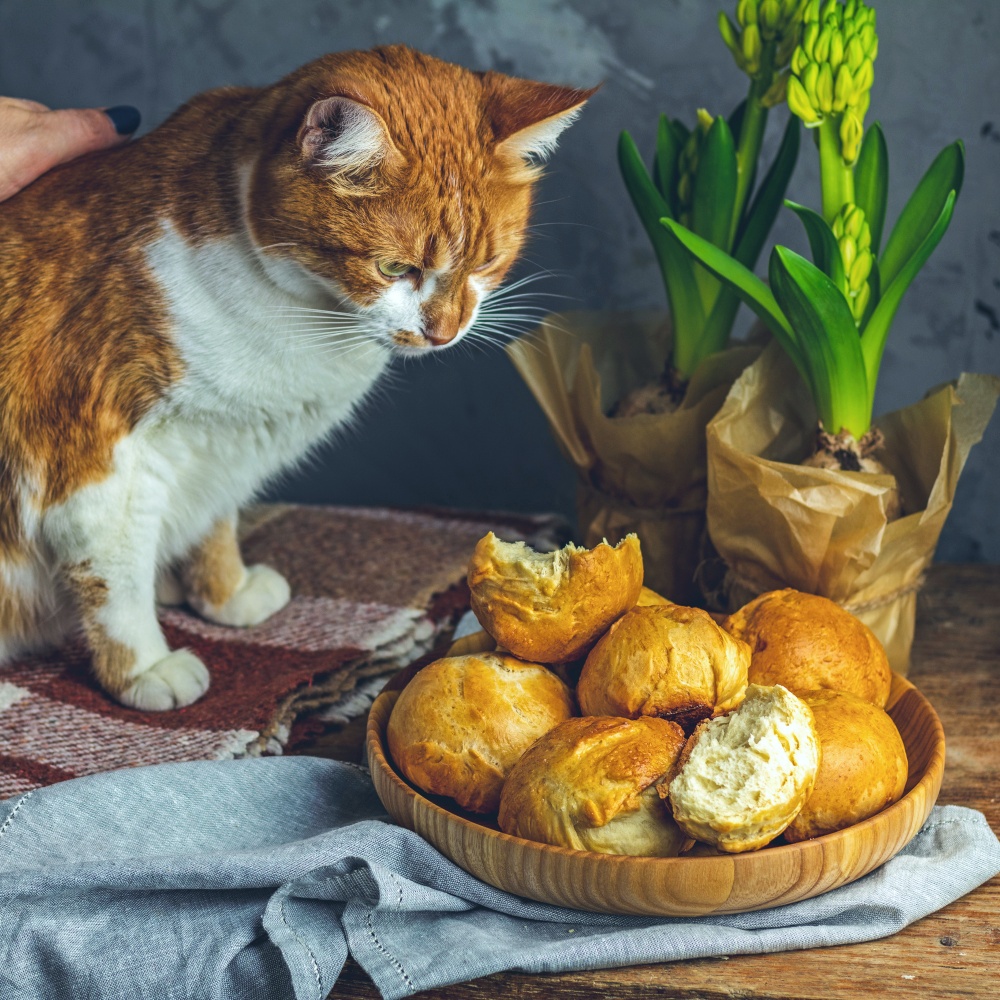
(439,334)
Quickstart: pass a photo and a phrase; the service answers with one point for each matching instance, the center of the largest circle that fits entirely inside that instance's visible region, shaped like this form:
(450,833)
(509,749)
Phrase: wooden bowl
(673,887)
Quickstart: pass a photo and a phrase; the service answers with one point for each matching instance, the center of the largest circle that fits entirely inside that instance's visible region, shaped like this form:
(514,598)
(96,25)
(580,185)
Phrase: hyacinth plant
(833,315)
(704,179)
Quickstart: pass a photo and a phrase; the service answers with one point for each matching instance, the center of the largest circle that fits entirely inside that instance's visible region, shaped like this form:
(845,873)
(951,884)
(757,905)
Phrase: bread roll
(552,607)
(664,660)
(745,776)
(461,723)
(590,784)
(649,598)
(807,642)
(863,767)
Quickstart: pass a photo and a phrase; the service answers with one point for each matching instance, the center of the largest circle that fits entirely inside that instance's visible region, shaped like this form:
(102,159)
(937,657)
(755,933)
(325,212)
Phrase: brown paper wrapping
(645,473)
(824,531)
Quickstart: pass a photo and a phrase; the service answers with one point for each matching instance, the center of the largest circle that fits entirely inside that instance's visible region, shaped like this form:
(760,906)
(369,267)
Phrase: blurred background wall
(460,429)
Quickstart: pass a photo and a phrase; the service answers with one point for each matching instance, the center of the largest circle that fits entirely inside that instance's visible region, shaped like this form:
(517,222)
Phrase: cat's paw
(173,682)
(264,591)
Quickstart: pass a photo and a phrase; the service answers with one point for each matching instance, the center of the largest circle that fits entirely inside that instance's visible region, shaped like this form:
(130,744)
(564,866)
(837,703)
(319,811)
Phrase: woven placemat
(373,590)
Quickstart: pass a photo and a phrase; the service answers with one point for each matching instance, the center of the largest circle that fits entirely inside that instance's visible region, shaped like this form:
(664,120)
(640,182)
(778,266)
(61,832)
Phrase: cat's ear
(346,139)
(528,117)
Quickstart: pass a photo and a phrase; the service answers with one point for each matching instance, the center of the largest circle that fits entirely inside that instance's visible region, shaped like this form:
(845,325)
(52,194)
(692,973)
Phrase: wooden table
(952,953)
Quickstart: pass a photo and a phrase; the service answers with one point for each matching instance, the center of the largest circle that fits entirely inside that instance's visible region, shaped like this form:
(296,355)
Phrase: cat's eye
(395,268)
(488,264)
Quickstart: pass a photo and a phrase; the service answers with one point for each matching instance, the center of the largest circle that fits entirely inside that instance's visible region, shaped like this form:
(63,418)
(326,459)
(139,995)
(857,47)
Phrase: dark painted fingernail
(124,117)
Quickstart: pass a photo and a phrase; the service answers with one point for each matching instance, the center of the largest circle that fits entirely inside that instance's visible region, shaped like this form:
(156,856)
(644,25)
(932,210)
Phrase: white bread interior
(747,774)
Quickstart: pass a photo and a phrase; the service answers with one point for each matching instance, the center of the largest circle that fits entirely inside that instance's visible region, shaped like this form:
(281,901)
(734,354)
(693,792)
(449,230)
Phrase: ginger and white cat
(183,317)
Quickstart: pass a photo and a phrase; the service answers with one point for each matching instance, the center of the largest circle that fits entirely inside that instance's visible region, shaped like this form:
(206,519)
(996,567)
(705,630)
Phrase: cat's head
(403,184)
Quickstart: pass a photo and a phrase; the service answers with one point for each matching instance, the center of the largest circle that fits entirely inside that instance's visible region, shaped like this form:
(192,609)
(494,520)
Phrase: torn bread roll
(648,598)
(591,784)
(863,766)
(744,776)
(664,660)
(552,607)
(462,722)
(806,642)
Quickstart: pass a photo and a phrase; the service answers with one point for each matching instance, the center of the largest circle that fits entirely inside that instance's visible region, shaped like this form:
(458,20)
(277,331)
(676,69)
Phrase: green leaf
(822,243)
(665,163)
(715,185)
(877,329)
(820,315)
(922,211)
(759,219)
(871,182)
(675,264)
(681,132)
(742,280)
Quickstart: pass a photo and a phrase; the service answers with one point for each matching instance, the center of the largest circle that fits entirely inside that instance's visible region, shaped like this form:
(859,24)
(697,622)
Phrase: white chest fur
(259,387)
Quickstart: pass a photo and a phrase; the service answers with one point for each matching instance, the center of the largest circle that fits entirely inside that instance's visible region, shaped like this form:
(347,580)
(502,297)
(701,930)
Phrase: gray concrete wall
(461,430)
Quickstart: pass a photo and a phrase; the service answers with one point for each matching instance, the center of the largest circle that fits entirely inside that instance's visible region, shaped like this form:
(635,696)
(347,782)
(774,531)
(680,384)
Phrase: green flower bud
(809,81)
(869,41)
(851,134)
(770,19)
(860,269)
(843,88)
(799,103)
(809,35)
(751,45)
(865,77)
(854,239)
(848,252)
(833,67)
(854,54)
(687,165)
(824,88)
(746,12)
(821,50)
(729,34)
(836,50)
(861,104)
(860,302)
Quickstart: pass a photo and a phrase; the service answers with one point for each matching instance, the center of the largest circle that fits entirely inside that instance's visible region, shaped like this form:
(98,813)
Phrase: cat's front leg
(220,588)
(105,539)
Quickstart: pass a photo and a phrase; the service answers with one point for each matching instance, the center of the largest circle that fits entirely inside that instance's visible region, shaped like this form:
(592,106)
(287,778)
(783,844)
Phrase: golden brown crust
(863,767)
(650,598)
(462,722)
(664,660)
(590,784)
(552,609)
(806,642)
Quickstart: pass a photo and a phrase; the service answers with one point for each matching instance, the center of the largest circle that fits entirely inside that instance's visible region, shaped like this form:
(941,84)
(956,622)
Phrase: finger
(23,104)
(68,134)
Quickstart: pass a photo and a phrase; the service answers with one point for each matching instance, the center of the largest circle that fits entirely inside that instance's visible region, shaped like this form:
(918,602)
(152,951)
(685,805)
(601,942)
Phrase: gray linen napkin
(255,878)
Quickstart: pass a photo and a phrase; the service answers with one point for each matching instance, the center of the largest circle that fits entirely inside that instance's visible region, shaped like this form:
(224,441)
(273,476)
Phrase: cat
(184,317)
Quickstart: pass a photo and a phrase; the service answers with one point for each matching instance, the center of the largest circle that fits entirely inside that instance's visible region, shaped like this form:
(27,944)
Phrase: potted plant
(628,395)
(804,490)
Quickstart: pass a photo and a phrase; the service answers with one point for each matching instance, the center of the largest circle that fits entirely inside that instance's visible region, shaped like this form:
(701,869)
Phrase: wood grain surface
(951,954)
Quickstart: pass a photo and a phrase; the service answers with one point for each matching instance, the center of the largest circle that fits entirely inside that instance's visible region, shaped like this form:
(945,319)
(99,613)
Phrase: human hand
(34,139)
